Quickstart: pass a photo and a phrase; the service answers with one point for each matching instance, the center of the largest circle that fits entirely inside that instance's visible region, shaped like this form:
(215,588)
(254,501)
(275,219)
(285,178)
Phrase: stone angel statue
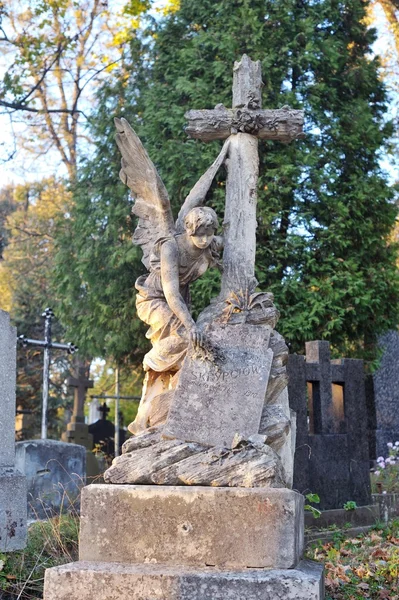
(175,254)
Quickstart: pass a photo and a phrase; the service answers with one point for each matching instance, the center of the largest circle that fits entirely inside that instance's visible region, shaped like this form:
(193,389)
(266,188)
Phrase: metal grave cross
(244,124)
(104,410)
(47,344)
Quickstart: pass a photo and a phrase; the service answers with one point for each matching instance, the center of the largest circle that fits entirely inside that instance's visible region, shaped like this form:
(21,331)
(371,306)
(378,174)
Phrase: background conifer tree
(325,209)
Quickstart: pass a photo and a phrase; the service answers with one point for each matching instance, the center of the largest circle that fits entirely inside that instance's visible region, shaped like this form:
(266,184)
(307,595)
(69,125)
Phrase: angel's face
(203,237)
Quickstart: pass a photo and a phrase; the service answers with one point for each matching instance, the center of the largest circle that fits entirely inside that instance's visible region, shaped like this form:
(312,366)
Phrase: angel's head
(201,224)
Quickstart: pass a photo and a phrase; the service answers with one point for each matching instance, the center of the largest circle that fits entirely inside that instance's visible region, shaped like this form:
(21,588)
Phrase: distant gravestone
(77,431)
(383,397)
(103,432)
(222,396)
(55,473)
(331,457)
(12,482)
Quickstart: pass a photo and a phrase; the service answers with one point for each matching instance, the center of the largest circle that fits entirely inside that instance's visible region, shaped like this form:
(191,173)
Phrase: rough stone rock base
(113,581)
(12,510)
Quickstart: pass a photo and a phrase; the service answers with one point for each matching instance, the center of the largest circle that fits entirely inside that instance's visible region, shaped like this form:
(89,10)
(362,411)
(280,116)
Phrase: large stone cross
(216,400)
(245,123)
(80,384)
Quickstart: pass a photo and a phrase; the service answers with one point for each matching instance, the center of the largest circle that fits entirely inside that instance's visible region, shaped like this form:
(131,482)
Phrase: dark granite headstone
(103,432)
(383,397)
(331,457)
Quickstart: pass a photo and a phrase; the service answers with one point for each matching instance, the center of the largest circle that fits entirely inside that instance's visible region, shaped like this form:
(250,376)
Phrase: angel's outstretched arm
(197,195)
(170,283)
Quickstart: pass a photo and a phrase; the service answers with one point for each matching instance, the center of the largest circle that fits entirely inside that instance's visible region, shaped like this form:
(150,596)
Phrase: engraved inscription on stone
(223,393)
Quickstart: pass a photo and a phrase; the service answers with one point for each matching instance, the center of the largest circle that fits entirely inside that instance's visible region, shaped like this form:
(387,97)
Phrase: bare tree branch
(21,106)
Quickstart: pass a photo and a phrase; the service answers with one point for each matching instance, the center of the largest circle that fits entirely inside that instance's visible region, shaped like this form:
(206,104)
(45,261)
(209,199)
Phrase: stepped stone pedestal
(194,543)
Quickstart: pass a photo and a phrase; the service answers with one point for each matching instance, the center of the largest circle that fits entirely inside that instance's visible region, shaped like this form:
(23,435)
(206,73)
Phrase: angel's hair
(202,215)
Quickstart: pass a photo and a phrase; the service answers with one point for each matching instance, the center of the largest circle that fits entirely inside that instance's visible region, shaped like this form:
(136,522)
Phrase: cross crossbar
(47,344)
(280,125)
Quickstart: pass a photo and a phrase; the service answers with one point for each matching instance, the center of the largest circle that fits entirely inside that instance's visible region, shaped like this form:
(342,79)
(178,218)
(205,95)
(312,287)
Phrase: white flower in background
(390,445)
(377,473)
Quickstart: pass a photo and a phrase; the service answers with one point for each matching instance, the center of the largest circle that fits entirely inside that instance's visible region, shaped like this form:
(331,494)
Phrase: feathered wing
(152,204)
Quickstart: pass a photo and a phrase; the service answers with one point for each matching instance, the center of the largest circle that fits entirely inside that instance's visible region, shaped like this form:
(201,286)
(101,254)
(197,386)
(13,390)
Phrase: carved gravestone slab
(222,394)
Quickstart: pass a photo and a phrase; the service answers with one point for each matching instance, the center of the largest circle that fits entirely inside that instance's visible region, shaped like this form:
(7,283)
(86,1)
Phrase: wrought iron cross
(244,124)
(47,344)
(104,410)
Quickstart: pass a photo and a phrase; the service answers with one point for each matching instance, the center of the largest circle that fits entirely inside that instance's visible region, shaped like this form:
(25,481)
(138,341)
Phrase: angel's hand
(196,337)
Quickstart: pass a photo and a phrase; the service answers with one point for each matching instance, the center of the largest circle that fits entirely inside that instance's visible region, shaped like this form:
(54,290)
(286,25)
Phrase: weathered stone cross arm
(246,116)
(283,124)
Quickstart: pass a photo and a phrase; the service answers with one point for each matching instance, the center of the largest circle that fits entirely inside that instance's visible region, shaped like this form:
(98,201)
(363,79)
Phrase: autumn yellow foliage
(29,228)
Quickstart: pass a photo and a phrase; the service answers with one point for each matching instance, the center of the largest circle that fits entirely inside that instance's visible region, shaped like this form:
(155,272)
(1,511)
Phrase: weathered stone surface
(8,348)
(275,425)
(107,581)
(331,456)
(222,394)
(141,465)
(283,124)
(12,483)
(384,405)
(278,379)
(12,510)
(55,473)
(142,441)
(237,528)
(149,459)
(246,466)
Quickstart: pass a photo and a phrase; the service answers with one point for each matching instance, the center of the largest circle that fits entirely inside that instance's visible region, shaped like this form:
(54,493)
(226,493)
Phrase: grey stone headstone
(55,472)
(12,483)
(386,394)
(218,398)
(8,357)
(13,518)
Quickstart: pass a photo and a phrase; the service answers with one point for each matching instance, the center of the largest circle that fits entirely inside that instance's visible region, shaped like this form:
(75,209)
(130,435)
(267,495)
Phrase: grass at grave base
(366,566)
(50,543)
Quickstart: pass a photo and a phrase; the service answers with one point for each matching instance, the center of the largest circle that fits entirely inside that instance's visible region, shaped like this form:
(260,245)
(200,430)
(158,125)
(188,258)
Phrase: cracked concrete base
(115,581)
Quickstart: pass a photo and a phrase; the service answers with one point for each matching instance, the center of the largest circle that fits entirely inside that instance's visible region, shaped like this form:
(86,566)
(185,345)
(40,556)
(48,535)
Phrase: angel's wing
(152,204)
(197,195)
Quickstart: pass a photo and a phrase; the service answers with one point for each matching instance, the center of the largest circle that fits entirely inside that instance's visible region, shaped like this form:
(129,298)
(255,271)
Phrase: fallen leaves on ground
(363,567)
